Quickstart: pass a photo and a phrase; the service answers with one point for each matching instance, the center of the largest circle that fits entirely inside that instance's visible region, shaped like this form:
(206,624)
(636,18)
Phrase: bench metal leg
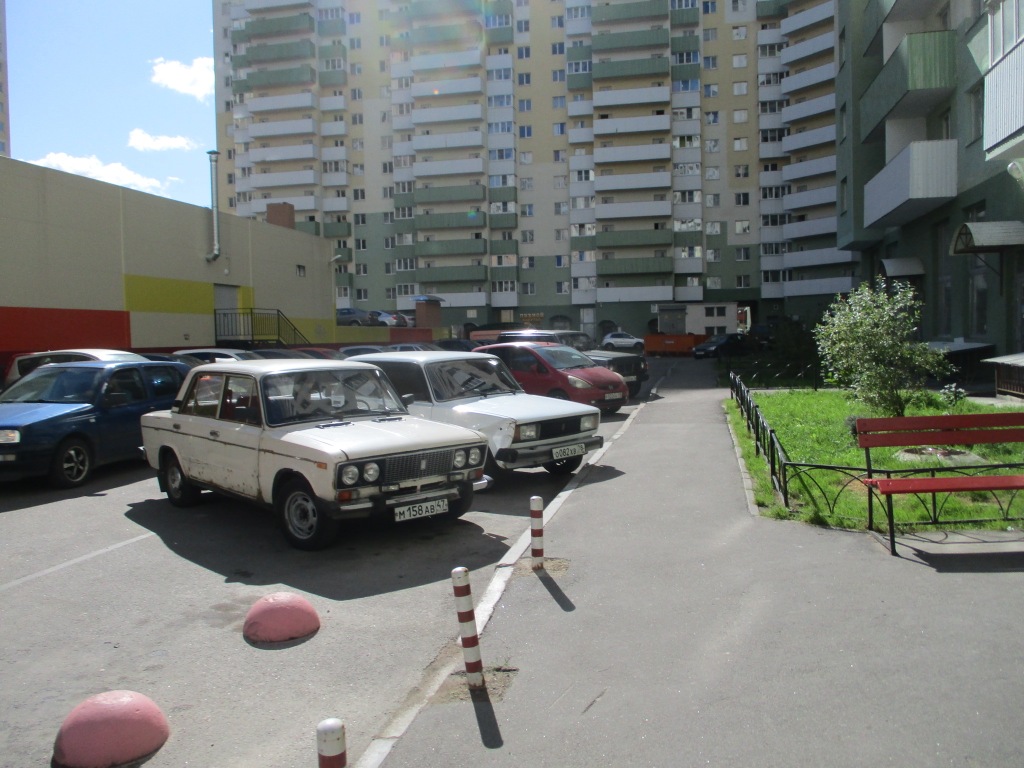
(892,526)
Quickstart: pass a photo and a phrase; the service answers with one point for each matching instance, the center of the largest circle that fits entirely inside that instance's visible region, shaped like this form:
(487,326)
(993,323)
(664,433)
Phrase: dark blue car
(64,420)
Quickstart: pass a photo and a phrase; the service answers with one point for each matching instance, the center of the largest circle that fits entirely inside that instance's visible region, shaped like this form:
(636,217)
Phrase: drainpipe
(215,206)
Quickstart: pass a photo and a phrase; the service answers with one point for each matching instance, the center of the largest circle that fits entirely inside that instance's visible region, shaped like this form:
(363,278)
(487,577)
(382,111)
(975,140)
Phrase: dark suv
(630,366)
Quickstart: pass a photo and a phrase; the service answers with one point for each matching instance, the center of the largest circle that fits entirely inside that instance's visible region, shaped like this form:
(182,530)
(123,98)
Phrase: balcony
(688,266)
(644,293)
(459,113)
(462,299)
(650,209)
(300,24)
(804,19)
(274,78)
(826,225)
(463,274)
(809,78)
(632,153)
(460,140)
(820,166)
(284,153)
(472,165)
(815,137)
(615,41)
(650,266)
(918,180)
(283,179)
(454,87)
(608,70)
(811,198)
(280,103)
(462,220)
(628,125)
(303,127)
(920,75)
(823,105)
(463,247)
(629,96)
(463,193)
(689,292)
(631,238)
(640,11)
(272,52)
(337,229)
(448,60)
(626,181)
(267,5)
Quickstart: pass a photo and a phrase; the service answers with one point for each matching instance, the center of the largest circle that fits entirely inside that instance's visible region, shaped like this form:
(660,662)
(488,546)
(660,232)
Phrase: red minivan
(560,371)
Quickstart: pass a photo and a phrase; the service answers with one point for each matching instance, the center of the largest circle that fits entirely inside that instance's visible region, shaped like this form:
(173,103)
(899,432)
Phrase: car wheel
(306,526)
(634,388)
(180,492)
(355,322)
(613,409)
(460,506)
(638,347)
(495,471)
(558,394)
(564,466)
(609,347)
(72,463)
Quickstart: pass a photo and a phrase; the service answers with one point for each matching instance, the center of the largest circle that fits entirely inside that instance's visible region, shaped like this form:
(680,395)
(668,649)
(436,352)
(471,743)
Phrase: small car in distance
(723,345)
(214,354)
(394,319)
(319,441)
(479,392)
(622,340)
(65,419)
(556,370)
(353,316)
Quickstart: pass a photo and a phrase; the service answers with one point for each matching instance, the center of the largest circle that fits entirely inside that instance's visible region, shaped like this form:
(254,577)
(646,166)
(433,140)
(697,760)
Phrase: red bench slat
(896,485)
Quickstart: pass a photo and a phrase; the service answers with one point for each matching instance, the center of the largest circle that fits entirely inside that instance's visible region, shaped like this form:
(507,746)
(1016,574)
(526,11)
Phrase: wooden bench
(930,431)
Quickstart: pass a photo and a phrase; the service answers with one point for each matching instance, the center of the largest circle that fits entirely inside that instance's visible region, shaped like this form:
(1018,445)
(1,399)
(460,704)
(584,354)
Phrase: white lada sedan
(321,441)
(478,391)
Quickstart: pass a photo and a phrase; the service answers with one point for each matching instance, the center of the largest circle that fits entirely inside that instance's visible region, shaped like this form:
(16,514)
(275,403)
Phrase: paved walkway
(673,627)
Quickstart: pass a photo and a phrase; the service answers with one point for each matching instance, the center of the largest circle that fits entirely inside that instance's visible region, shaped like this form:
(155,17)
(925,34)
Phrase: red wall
(31,329)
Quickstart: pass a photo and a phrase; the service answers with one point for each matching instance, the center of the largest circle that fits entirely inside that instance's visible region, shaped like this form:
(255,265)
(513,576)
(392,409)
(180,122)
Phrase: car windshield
(564,358)
(334,394)
(578,340)
(55,385)
(454,379)
(716,340)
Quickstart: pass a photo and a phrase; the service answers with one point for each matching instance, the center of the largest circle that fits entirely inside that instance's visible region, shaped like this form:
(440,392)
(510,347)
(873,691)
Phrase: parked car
(478,391)
(361,349)
(323,353)
(281,353)
(413,346)
(26,363)
(353,316)
(458,345)
(170,357)
(724,345)
(410,319)
(216,354)
(63,420)
(556,370)
(394,319)
(631,366)
(321,441)
(622,340)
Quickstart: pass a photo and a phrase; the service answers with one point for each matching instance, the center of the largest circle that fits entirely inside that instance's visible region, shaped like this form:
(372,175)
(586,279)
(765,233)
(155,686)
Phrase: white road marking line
(69,563)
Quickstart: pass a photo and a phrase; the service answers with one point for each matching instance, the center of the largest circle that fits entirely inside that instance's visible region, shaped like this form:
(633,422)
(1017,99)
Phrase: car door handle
(214,433)
(176,426)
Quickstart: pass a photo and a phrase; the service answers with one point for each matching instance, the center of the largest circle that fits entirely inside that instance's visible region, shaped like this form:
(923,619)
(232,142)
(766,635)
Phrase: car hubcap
(76,464)
(174,479)
(300,515)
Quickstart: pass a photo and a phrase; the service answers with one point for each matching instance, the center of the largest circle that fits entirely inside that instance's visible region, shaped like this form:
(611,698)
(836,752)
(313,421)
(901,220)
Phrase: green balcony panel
(503,247)
(331,28)
(344,253)
(301,23)
(404,252)
(463,274)
(504,273)
(499,8)
(684,43)
(303,75)
(404,226)
(504,220)
(449,33)
(583,243)
(920,75)
(686,71)
(334,77)
(578,53)
(498,35)
(404,199)
(634,238)
(261,54)
(616,41)
(337,229)
(607,70)
(685,17)
(428,9)
(581,81)
(343,279)
(652,266)
(462,193)
(461,220)
(464,247)
(770,9)
(335,51)
(502,194)
(309,227)
(649,9)
(684,239)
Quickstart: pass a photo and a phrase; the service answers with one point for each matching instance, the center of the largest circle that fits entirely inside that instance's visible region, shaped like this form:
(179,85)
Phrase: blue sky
(117,90)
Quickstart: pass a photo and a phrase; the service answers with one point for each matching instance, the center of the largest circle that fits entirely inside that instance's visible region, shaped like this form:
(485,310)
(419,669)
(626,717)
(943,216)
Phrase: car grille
(412,466)
(559,428)
(626,366)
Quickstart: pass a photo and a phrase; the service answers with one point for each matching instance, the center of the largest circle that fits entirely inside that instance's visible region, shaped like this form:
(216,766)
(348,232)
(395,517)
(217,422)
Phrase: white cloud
(144,142)
(92,167)
(195,79)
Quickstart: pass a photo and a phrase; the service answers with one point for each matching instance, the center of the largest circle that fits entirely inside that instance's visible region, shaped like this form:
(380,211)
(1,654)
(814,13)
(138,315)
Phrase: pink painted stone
(110,729)
(280,616)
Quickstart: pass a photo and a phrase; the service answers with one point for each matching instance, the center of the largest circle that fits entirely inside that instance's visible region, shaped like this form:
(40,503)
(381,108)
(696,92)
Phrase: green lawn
(814,427)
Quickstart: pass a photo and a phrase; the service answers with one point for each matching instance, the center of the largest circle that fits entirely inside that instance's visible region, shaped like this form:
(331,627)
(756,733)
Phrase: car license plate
(423,509)
(568,451)
(629,378)
(613,396)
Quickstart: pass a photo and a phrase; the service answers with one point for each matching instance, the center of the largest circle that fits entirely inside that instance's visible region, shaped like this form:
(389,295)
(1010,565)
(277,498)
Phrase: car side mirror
(408,399)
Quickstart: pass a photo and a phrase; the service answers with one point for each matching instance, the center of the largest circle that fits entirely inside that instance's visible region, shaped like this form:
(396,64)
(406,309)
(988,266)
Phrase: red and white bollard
(537,532)
(467,628)
(330,743)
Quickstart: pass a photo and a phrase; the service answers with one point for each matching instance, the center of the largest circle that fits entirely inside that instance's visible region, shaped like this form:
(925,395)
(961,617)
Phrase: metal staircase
(256,328)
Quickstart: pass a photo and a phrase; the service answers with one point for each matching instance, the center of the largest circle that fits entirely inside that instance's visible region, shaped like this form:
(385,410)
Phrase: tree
(867,342)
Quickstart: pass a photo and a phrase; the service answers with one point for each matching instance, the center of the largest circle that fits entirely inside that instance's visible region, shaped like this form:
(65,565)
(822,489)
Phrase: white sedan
(321,441)
(478,391)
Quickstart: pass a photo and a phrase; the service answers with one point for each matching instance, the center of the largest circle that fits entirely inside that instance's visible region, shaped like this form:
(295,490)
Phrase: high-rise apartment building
(572,163)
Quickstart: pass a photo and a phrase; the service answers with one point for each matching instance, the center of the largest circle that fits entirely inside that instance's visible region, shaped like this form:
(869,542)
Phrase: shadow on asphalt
(244,544)
(972,562)
(36,491)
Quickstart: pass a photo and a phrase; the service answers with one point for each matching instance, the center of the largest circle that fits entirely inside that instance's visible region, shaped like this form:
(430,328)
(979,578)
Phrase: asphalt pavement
(672,626)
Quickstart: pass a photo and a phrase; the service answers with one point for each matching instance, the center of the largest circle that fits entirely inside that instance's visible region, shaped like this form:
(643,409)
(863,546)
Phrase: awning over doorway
(909,266)
(987,237)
